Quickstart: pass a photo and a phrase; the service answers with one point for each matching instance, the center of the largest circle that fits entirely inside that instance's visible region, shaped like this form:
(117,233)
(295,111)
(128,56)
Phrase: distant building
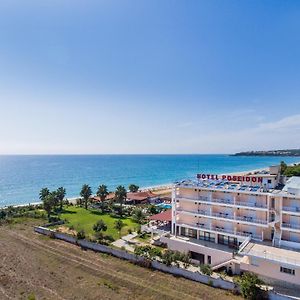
(144,197)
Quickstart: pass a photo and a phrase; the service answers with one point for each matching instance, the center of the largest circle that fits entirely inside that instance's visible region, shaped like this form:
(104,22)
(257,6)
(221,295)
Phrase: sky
(130,77)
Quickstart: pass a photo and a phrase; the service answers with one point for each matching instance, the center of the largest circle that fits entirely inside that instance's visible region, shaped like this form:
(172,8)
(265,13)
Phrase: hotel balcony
(291,209)
(290,226)
(251,220)
(224,216)
(217,229)
(207,213)
(224,202)
(251,204)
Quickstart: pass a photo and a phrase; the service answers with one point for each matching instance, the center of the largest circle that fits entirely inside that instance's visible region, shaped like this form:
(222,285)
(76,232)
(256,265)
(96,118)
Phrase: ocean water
(21,177)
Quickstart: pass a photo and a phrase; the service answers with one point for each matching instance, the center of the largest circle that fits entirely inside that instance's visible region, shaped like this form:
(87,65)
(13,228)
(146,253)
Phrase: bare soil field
(37,267)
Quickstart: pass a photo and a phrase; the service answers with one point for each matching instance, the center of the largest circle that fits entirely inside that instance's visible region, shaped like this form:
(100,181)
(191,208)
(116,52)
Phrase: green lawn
(84,219)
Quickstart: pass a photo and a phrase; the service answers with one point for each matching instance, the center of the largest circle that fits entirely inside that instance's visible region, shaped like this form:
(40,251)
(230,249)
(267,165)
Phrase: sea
(22,176)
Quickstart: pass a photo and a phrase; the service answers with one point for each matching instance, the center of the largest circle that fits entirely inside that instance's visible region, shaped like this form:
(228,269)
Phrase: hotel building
(244,223)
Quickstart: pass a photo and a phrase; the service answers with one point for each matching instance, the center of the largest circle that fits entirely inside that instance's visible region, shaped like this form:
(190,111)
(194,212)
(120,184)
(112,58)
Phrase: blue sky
(149,76)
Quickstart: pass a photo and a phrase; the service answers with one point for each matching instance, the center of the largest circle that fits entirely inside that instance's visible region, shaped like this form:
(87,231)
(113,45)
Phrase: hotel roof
(272,253)
(293,185)
(221,185)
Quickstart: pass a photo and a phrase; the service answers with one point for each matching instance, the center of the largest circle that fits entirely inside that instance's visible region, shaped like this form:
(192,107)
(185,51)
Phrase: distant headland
(287,152)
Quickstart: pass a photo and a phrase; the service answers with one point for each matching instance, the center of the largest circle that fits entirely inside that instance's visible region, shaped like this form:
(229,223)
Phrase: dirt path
(52,269)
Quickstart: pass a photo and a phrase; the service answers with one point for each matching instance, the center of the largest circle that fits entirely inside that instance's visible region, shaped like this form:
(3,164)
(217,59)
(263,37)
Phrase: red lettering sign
(253,179)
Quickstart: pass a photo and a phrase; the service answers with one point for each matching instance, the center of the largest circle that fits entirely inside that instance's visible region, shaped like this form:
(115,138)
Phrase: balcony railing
(223,201)
(223,216)
(291,208)
(251,220)
(251,204)
(292,226)
(219,229)
(197,225)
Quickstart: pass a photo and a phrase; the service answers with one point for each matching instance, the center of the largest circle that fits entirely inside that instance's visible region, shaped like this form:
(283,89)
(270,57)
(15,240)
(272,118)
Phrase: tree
(118,225)
(102,192)
(86,193)
(138,215)
(100,226)
(250,286)
(152,210)
(49,203)
(44,192)
(283,167)
(120,197)
(55,199)
(133,188)
(60,194)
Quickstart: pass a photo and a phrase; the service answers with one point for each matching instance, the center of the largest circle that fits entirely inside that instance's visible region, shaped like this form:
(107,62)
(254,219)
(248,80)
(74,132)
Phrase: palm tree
(138,215)
(102,192)
(49,203)
(85,193)
(120,197)
(44,192)
(61,193)
(118,225)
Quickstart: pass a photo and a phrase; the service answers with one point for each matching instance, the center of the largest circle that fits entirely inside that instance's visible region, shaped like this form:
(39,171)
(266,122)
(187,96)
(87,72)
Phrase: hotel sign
(252,179)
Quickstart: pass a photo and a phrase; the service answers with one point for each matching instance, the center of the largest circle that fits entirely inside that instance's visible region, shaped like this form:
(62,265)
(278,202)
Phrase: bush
(100,226)
(138,230)
(81,234)
(250,287)
(206,269)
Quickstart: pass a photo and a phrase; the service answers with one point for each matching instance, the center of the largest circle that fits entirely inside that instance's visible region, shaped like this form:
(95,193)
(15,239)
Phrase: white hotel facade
(243,223)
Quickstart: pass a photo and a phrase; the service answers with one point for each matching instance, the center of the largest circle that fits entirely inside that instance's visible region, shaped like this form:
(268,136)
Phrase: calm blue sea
(21,177)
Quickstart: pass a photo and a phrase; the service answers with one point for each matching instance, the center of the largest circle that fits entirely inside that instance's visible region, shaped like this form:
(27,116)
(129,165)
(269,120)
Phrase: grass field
(84,219)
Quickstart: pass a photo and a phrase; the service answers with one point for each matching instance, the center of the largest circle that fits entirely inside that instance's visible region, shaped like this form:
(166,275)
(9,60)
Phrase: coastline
(161,188)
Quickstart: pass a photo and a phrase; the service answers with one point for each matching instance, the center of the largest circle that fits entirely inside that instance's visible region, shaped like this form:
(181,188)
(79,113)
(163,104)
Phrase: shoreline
(155,188)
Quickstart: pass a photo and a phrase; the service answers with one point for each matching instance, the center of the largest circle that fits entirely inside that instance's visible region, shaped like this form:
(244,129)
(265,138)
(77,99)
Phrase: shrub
(250,287)
(31,297)
(206,269)
(81,234)
(109,238)
(100,226)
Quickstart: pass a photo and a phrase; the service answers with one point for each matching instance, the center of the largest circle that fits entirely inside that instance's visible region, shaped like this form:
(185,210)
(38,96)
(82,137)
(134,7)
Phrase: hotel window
(287,270)
(192,233)
(207,236)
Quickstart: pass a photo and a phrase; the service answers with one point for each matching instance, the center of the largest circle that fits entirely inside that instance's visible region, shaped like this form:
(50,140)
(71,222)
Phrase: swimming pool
(164,205)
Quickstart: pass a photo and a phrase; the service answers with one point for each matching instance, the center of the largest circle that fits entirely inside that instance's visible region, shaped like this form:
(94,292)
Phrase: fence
(195,276)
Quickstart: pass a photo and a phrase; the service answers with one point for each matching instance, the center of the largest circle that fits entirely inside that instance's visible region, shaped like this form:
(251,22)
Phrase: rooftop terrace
(221,185)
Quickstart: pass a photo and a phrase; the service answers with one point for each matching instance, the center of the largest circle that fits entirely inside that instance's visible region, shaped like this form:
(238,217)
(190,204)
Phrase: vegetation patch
(79,218)
(109,284)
